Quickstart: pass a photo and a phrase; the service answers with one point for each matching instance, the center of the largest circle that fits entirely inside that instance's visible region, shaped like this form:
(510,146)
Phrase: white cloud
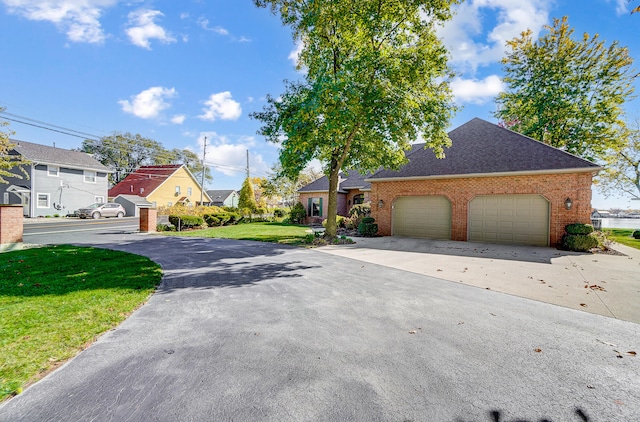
(230,158)
(221,106)
(476,91)
(142,28)
(79,19)
(149,103)
(621,7)
(178,119)
(295,53)
(464,38)
(204,23)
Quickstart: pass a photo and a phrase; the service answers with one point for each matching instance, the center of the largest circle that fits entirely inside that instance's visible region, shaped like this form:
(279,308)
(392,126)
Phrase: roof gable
(220,195)
(144,180)
(480,147)
(43,154)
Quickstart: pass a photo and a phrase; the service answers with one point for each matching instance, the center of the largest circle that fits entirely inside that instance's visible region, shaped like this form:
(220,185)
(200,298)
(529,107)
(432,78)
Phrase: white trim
(95,176)
(38,200)
(594,170)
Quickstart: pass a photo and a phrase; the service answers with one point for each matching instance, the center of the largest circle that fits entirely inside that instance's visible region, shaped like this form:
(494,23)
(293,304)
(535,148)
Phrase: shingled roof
(481,148)
(351,179)
(42,154)
(144,180)
(220,195)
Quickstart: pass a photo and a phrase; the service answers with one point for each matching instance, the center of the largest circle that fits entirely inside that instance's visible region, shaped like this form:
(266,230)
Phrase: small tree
(622,167)
(247,200)
(7,161)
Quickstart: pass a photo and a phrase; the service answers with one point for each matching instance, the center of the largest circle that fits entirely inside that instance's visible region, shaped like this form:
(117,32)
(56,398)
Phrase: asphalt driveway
(243,331)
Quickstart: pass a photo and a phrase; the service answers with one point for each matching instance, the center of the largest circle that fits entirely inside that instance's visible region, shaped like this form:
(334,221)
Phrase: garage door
(422,216)
(511,219)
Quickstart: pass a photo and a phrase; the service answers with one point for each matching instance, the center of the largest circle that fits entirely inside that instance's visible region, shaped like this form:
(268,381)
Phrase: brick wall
(460,191)
(148,220)
(11,224)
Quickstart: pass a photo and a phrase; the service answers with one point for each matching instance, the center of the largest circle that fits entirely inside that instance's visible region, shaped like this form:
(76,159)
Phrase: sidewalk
(602,284)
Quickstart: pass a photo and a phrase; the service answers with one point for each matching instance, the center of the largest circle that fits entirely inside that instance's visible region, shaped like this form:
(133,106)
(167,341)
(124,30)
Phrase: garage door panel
(511,219)
(422,216)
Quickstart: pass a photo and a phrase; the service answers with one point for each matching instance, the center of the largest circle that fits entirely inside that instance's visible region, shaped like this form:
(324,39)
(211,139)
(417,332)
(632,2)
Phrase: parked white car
(111,209)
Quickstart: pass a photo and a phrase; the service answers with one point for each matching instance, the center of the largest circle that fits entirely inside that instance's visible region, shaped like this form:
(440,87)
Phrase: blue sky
(177,71)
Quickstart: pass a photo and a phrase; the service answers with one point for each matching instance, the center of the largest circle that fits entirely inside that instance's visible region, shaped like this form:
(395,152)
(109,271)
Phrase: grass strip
(55,301)
(622,236)
(289,234)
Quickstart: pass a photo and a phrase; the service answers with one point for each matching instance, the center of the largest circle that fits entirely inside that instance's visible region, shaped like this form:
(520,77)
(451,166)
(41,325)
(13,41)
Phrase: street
(44,231)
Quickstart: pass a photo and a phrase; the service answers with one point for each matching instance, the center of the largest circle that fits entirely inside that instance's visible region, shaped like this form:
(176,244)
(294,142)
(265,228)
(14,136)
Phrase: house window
(53,171)
(315,207)
(99,199)
(169,204)
(5,198)
(188,191)
(358,199)
(177,190)
(43,200)
(89,176)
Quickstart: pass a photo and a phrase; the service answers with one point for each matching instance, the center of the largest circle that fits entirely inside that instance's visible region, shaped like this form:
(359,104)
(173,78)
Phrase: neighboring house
(59,181)
(224,198)
(352,190)
(494,186)
(601,214)
(161,185)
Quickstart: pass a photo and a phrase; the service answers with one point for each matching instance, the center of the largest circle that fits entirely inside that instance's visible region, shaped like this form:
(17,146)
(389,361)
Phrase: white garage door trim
(422,216)
(509,219)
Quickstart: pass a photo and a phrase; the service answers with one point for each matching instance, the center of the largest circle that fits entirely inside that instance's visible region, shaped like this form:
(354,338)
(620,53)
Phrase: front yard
(55,301)
(289,234)
(622,236)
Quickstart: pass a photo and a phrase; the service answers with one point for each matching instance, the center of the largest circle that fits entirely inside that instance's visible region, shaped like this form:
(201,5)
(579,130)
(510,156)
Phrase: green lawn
(55,301)
(622,236)
(265,232)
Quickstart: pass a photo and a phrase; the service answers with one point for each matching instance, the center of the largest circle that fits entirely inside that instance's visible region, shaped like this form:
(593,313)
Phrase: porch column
(11,226)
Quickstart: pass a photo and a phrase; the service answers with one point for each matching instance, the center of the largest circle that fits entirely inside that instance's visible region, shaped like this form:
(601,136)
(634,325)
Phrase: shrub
(186,221)
(579,229)
(279,212)
(164,228)
(360,210)
(579,242)
(340,221)
(367,227)
(297,214)
(636,234)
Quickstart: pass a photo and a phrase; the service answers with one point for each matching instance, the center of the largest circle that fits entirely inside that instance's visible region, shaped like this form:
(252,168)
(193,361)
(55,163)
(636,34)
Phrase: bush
(367,227)
(297,214)
(279,212)
(164,228)
(186,221)
(360,210)
(636,234)
(579,242)
(579,228)
(340,222)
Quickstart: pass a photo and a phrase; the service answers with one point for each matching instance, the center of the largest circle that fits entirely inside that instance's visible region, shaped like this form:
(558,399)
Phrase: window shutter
(320,215)
(309,207)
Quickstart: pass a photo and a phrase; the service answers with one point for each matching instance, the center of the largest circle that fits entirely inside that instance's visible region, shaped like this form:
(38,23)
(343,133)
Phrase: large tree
(375,79)
(622,167)
(8,162)
(125,152)
(285,188)
(567,92)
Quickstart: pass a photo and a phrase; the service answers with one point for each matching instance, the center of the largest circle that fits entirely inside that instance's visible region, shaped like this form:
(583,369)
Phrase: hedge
(636,234)
(367,227)
(186,221)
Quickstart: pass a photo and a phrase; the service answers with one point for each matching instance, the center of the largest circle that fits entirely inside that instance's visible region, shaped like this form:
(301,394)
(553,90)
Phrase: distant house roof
(43,154)
(481,148)
(219,196)
(135,199)
(351,179)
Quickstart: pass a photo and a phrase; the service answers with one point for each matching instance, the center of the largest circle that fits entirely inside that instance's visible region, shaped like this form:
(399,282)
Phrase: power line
(47,126)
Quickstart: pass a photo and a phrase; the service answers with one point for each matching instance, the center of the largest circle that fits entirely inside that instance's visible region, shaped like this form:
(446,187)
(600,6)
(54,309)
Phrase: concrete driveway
(602,284)
(245,331)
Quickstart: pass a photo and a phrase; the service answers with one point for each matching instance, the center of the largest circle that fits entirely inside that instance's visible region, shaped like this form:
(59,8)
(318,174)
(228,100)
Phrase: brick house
(494,186)
(352,190)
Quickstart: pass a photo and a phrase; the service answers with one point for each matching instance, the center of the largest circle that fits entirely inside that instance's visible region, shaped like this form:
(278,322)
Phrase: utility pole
(204,153)
(248,174)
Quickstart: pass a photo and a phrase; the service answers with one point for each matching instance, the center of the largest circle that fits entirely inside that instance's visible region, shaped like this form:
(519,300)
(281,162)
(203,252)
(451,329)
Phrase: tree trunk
(332,207)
